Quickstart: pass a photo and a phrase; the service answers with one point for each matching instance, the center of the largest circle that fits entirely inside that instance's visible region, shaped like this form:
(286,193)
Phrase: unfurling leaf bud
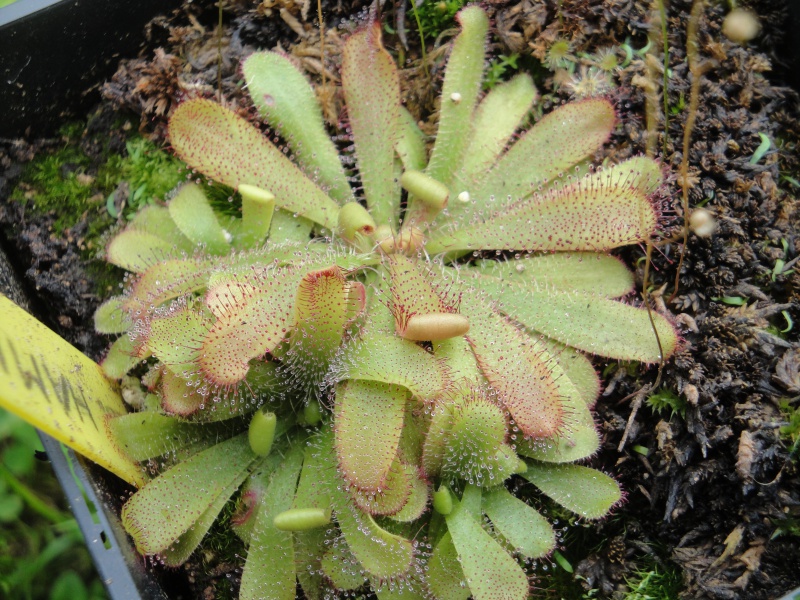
(262,432)
(302,519)
(353,219)
(435,327)
(429,191)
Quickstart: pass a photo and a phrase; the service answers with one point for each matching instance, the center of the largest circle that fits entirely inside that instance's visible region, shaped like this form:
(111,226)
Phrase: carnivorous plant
(374,346)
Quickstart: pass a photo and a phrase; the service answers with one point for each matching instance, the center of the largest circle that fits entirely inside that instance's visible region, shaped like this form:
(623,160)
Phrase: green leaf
(368,418)
(269,571)
(192,213)
(514,365)
(598,274)
(341,567)
(576,367)
(445,578)
(120,359)
(382,554)
(223,146)
(557,142)
(477,433)
(528,532)
(495,121)
(417,500)
(591,323)
(390,359)
(286,100)
(608,209)
(411,143)
(155,219)
(111,318)
(147,434)
(136,251)
(164,509)
(179,552)
(584,491)
(491,573)
(462,82)
(372,94)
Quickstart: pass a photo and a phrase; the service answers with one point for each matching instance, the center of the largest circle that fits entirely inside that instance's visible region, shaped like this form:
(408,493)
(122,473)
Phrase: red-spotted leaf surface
(323,308)
(393,496)
(576,439)
(165,281)
(368,418)
(491,573)
(286,100)
(608,209)
(226,148)
(254,313)
(372,94)
(150,516)
(584,491)
(175,337)
(519,369)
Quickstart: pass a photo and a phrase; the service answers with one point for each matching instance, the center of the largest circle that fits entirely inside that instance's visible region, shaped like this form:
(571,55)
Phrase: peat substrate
(706,458)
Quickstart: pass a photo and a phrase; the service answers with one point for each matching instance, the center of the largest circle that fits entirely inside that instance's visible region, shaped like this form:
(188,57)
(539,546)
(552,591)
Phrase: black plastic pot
(53,51)
(53,56)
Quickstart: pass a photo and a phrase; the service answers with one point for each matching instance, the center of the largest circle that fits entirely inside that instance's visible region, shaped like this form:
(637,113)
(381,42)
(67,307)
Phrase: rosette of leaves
(366,353)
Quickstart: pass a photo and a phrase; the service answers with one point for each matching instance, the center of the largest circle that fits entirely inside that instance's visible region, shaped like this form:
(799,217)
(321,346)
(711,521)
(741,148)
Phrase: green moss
(74,186)
(435,17)
(654,582)
(664,400)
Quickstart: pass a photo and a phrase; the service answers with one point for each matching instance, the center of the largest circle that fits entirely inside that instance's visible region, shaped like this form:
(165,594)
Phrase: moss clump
(69,182)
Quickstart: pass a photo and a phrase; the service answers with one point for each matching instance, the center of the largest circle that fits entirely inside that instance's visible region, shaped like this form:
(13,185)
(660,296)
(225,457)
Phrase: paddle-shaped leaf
(225,147)
(163,510)
(490,572)
(287,102)
(372,93)
(368,420)
(584,491)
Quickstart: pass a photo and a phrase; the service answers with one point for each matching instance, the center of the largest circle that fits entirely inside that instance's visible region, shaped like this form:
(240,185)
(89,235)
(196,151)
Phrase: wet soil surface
(711,484)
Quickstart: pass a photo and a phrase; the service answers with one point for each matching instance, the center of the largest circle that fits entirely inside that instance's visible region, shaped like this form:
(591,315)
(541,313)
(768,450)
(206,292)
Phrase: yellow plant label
(56,388)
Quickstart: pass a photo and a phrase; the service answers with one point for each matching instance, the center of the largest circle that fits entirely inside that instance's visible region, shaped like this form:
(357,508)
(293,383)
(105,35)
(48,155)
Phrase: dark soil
(711,486)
